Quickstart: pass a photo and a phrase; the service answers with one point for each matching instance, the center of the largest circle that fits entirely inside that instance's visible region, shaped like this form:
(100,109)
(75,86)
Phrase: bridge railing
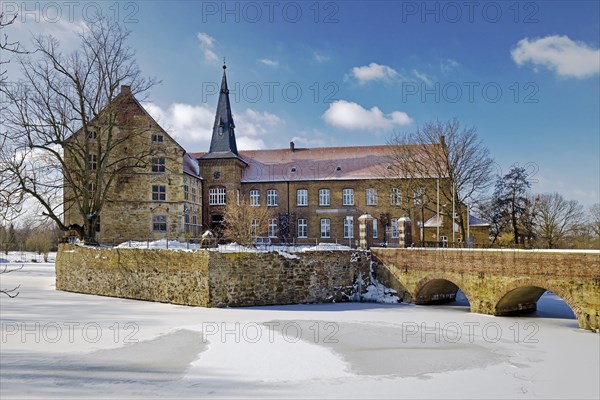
(463,245)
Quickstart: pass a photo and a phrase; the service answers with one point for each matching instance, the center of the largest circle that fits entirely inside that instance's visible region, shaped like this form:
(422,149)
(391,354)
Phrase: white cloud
(320,58)
(207,44)
(269,62)
(559,54)
(422,76)
(349,115)
(191,126)
(447,65)
(312,138)
(255,123)
(373,72)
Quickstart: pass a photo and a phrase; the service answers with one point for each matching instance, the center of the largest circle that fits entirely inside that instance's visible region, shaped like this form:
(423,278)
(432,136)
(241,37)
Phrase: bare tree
(243,222)
(442,150)
(72,133)
(11,198)
(595,218)
(556,218)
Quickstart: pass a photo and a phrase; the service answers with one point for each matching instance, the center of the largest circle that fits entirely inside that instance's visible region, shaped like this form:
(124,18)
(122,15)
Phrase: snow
(65,345)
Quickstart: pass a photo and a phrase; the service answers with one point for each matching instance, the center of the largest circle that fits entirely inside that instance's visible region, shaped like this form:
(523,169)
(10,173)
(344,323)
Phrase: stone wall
(211,279)
(495,282)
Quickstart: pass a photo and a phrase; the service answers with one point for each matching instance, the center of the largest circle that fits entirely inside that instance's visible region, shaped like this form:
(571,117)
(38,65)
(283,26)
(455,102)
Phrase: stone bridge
(496,282)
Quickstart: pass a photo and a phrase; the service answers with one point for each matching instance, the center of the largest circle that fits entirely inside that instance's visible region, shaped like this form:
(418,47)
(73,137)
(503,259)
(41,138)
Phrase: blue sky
(526,74)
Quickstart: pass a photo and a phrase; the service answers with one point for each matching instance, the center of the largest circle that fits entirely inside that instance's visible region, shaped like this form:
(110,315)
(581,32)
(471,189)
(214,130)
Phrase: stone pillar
(365,232)
(404,230)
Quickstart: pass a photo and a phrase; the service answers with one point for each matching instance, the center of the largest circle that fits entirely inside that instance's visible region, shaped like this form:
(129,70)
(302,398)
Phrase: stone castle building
(315,194)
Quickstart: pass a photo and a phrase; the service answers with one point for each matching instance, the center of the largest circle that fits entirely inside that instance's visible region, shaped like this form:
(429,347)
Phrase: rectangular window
(272,197)
(396,197)
(348,227)
(375,229)
(395,229)
(324,197)
(255,197)
(193,195)
(325,228)
(302,197)
(371,197)
(91,190)
(237,197)
(158,139)
(159,193)
(302,228)
(159,223)
(348,197)
(92,135)
(158,164)
(93,161)
(216,196)
(254,228)
(186,192)
(273,227)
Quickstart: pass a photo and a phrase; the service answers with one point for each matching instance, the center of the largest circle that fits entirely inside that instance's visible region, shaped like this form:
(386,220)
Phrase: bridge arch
(439,288)
(522,296)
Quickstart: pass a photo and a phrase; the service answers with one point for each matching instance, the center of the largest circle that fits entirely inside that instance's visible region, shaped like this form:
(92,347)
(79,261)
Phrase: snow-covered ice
(65,345)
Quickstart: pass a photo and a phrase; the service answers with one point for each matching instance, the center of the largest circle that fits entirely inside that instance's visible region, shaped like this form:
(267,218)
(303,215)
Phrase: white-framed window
(418,196)
(237,197)
(159,193)
(348,197)
(324,197)
(91,190)
(158,164)
(273,227)
(302,227)
(157,138)
(395,229)
(349,227)
(159,223)
(396,197)
(371,197)
(217,196)
(193,195)
(375,229)
(93,161)
(302,197)
(325,227)
(272,197)
(254,228)
(255,197)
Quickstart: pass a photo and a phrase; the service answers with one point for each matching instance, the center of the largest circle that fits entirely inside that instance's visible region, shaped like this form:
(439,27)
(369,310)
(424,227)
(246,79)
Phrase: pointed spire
(223,136)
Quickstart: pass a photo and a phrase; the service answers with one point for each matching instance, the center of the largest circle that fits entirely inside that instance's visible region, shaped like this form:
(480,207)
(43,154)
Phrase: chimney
(292,147)
(125,89)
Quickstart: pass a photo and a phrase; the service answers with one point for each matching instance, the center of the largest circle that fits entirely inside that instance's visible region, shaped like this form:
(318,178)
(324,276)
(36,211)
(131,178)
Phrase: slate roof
(223,144)
(309,164)
(473,221)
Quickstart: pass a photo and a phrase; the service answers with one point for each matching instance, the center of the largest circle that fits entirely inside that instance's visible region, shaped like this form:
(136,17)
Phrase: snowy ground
(65,345)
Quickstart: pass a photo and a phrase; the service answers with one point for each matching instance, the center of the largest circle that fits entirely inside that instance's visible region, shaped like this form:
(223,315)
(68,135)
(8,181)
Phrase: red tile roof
(325,163)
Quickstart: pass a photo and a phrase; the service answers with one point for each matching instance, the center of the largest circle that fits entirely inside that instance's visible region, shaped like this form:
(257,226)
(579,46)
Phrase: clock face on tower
(217,174)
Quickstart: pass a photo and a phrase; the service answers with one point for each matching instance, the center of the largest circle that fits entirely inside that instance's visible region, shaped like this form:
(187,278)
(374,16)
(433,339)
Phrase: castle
(316,194)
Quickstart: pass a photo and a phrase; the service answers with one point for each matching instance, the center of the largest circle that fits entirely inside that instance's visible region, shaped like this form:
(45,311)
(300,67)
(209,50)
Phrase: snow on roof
(323,163)
(433,222)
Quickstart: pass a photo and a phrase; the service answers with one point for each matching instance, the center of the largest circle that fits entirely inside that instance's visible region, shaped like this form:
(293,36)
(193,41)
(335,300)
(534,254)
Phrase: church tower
(222,167)
(223,144)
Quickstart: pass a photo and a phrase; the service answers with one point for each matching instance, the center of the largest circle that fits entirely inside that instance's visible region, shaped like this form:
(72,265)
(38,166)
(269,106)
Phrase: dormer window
(220,128)
(338,168)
